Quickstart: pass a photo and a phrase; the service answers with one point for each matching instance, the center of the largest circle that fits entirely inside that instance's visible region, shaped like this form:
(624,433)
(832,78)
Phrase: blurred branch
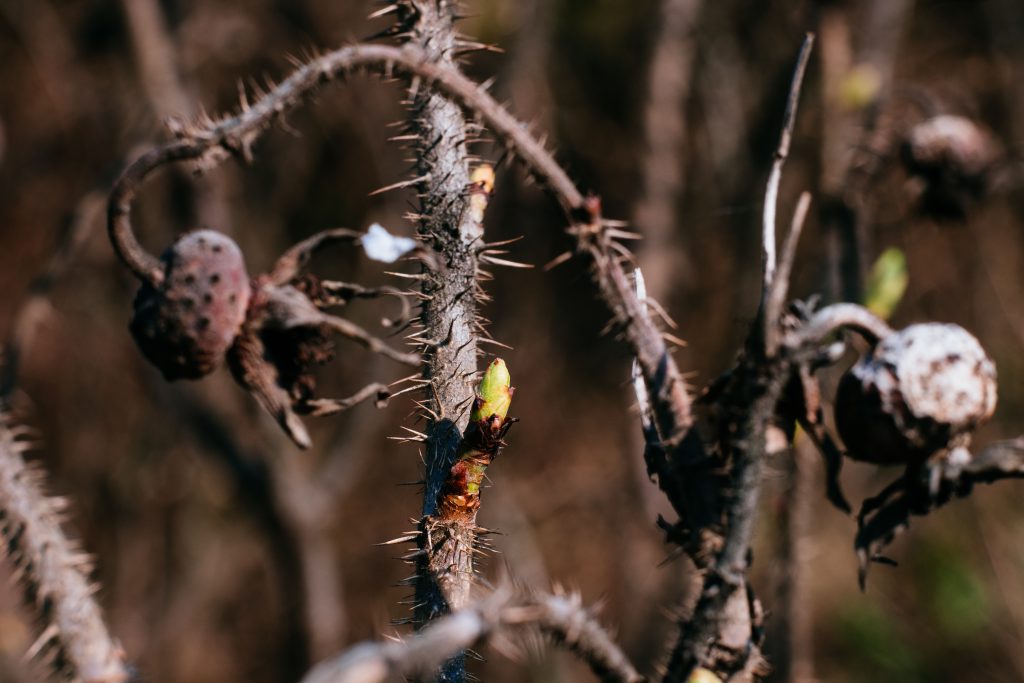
(771,194)
(155,55)
(795,663)
(857,75)
(560,617)
(665,121)
(36,304)
(54,572)
(928,487)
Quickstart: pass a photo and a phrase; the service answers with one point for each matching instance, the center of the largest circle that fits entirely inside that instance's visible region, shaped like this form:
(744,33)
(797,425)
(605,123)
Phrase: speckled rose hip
(185,325)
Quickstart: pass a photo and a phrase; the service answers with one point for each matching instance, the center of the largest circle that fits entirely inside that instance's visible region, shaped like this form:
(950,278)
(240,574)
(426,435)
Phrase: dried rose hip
(920,391)
(952,143)
(186,323)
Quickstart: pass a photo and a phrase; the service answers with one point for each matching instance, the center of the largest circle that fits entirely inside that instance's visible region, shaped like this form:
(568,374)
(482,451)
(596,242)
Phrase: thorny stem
(54,572)
(211,143)
(562,618)
(449,315)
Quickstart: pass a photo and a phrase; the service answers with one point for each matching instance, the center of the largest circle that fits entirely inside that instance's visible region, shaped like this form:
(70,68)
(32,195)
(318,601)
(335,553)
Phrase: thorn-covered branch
(562,618)
(54,573)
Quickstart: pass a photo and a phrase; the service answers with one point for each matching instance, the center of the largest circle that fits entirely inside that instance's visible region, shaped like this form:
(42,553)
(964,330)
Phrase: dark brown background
(181,490)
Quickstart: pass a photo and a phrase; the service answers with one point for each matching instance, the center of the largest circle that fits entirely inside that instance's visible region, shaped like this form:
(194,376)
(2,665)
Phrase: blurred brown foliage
(211,567)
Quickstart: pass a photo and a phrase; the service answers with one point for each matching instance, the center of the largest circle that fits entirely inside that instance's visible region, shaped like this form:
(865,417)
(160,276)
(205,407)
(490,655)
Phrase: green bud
(703,676)
(494,393)
(887,283)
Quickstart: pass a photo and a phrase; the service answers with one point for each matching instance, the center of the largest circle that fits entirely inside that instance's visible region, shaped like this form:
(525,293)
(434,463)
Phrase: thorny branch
(212,141)
(723,632)
(560,617)
(449,315)
(54,572)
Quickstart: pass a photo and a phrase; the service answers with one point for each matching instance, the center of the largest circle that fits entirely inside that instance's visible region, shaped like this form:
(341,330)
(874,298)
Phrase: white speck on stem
(381,245)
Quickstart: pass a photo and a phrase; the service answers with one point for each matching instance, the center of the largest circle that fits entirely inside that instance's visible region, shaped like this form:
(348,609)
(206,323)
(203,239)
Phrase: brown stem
(449,313)
(54,573)
(210,144)
(562,618)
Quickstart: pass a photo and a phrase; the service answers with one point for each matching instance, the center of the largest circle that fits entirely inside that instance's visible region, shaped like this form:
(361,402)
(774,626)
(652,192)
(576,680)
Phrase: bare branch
(290,264)
(778,290)
(54,572)
(771,195)
(560,617)
(668,86)
(833,318)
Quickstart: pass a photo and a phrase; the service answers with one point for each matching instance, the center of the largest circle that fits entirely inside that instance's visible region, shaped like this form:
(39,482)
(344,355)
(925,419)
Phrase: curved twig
(143,264)
(291,262)
(841,316)
(213,142)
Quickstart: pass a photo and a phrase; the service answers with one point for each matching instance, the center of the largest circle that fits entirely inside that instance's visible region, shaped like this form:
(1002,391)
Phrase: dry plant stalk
(562,618)
(448,314)
(54,573)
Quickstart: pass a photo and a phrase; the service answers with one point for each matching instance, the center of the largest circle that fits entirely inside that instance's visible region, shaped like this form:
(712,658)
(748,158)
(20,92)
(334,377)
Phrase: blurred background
(225,554)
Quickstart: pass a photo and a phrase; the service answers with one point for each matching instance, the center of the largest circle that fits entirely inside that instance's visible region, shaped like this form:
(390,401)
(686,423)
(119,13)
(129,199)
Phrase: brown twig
(212,142)
(721,632)
(771,194)
(560,617)
(778,290)
(54,572)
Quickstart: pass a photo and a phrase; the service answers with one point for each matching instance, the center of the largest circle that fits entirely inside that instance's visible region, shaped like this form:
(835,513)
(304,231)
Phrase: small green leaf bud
(493,394)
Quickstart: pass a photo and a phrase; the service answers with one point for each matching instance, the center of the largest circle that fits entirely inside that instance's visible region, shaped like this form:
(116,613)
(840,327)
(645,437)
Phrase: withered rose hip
(952,142)
(185,325)
(920,390)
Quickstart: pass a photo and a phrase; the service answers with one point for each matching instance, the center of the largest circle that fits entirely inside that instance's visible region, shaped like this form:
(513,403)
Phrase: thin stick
(771,195)
(778,290)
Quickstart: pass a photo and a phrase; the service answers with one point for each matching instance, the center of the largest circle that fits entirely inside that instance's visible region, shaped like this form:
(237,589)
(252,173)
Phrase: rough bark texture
(449,316)
(54,573)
